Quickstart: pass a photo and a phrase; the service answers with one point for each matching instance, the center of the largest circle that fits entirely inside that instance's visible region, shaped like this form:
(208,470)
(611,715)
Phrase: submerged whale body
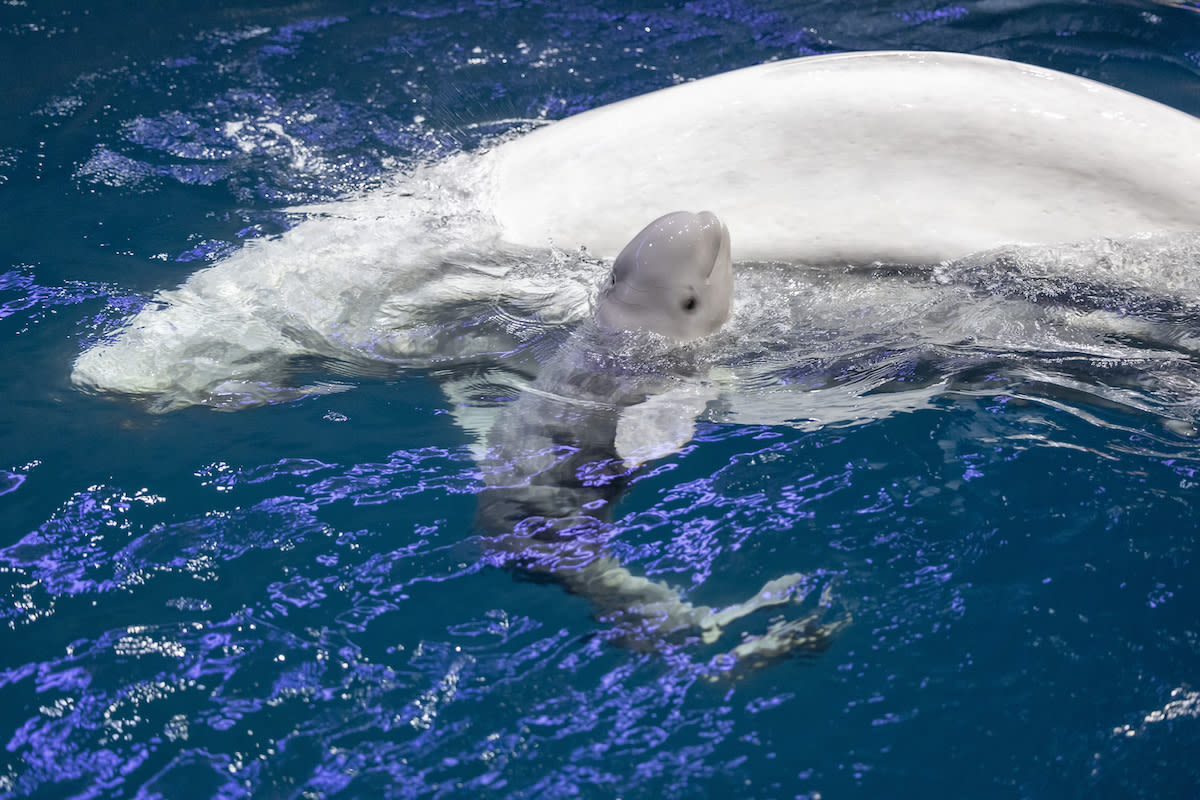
(562,452)
(845,159)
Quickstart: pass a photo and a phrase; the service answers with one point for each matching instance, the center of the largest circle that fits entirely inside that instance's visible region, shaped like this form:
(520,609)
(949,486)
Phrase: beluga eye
(690,304)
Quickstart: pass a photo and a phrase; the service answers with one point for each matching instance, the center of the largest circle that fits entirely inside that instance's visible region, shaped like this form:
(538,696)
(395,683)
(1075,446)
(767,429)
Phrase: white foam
(375,278)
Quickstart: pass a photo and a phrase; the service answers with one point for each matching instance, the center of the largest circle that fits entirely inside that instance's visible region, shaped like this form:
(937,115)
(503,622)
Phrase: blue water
(292,601)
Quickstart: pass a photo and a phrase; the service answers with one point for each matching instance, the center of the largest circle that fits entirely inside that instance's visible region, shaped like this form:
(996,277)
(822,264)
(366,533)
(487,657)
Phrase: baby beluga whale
(622,389)
(675,278)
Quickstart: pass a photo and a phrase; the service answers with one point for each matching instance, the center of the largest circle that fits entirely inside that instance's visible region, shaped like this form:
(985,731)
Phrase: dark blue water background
(289,601)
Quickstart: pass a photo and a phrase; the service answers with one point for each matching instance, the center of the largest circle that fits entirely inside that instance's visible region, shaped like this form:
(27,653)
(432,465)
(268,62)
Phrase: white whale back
(914,157)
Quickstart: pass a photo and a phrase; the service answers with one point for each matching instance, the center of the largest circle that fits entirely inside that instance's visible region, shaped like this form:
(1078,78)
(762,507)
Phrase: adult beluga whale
(860,157)
(829,160)
(558,457)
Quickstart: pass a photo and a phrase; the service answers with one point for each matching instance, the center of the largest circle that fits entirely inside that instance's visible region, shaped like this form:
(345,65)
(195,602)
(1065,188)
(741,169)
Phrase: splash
(407,275)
